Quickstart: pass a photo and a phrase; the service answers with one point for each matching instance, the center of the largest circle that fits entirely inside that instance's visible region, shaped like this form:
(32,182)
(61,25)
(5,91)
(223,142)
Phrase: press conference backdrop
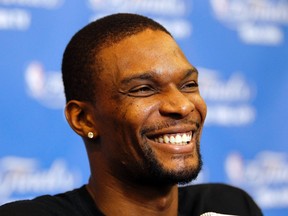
(240,48)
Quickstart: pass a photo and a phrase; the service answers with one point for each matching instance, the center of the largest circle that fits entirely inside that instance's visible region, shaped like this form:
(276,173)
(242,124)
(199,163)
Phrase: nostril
(175,116)
(177,110)
(176,104)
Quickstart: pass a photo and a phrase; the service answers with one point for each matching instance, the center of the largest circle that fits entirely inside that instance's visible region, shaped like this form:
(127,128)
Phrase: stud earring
(90,135)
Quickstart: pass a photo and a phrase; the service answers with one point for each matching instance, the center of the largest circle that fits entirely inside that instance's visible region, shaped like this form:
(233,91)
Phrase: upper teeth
(175,138)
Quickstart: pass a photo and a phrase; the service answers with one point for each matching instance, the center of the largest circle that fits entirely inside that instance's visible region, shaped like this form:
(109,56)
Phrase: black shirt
(193,200)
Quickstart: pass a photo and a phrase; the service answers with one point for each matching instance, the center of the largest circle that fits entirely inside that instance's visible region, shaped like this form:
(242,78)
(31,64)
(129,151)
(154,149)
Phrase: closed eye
(142,91)
(190,86)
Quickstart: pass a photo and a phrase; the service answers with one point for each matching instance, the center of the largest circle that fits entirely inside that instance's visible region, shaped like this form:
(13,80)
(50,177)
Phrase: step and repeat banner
(240,48)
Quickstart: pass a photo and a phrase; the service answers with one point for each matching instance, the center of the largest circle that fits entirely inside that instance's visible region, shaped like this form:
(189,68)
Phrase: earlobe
(80,118)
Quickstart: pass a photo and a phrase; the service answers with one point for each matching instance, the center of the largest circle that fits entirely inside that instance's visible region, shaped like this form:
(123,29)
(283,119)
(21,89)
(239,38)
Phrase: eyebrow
(149,75)
(190,72)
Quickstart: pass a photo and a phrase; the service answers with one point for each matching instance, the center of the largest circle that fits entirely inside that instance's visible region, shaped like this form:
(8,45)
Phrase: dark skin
(148,91)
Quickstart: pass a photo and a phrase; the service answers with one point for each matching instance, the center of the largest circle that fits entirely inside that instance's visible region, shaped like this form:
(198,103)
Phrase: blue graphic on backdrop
(229,100)
(266,175)
(172,14)
(16,15)
(23,177)
(256,21)
(45,87)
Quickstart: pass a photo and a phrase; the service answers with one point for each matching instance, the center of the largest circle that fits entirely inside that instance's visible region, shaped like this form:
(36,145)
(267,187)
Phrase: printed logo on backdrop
(46,87)
(265,177)
(172,13)
(229,100)
(17,15)
(24,178)
(256,21)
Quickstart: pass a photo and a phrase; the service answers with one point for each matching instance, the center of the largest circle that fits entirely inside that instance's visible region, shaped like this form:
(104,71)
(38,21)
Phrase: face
(148,110)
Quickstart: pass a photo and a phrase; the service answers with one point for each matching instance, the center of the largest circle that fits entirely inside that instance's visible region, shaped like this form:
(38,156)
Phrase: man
(134,99)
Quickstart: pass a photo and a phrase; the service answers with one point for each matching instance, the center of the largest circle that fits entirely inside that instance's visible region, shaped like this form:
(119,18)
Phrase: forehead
(146,51)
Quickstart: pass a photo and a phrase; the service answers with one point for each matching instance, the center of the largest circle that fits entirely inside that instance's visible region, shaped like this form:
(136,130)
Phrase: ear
(80,117)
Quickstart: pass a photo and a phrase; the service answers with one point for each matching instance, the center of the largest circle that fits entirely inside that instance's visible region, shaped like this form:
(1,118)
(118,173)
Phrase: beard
(154,173)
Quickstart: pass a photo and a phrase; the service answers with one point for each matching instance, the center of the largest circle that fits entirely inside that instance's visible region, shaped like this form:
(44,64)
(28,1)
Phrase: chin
(187,176)
(183,175)
(157,174)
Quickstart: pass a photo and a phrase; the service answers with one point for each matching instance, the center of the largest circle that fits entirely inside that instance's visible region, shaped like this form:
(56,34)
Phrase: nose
(176,104)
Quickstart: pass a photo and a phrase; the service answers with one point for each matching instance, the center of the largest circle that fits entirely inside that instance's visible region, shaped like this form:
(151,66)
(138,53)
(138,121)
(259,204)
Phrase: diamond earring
(90,135)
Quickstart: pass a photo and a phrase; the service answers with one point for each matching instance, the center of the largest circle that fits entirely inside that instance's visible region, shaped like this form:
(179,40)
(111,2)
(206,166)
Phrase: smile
(175,139)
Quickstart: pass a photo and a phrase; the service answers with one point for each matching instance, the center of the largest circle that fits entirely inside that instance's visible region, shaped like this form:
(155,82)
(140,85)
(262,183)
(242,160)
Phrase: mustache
(167,124)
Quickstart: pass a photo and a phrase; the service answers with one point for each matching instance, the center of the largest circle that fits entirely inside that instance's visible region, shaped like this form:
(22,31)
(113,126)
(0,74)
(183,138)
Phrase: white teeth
(181,138)
(166,139)
(178,139)
(185,138)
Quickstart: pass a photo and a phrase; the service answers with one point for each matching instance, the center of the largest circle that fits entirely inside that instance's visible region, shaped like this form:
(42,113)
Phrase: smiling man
(134,99)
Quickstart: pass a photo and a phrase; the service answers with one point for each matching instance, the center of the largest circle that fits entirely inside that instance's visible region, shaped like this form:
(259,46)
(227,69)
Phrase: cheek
(138,112)
(201,106)
(131,121)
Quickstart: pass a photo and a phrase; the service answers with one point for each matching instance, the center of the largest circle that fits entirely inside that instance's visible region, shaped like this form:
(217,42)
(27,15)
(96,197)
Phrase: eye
(142,91)
(190,86)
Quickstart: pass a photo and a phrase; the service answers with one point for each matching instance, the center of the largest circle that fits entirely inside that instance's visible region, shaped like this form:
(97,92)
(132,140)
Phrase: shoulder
(212,189)
(219,198)
(25,207)
(60,204)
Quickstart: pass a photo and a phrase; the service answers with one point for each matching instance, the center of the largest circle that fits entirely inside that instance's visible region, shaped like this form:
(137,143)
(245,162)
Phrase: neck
(133,199)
